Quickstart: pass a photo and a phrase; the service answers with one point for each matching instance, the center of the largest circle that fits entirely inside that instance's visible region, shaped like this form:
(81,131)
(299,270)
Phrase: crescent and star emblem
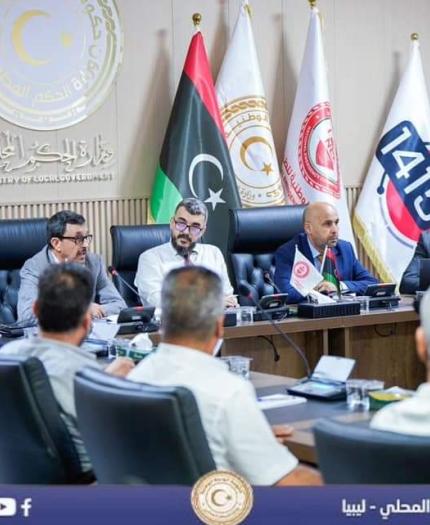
(267,167)
(214,196)
(18,30)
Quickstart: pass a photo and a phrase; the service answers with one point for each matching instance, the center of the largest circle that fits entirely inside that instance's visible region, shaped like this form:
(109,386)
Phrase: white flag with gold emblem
(310,168)
(246,119)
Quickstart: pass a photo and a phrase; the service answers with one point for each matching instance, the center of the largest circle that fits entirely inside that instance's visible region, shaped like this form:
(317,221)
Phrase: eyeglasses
(79,240)
(183,226)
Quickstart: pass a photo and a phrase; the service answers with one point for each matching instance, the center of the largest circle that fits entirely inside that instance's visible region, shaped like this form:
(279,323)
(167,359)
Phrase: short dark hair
(192,299)
(65,294)
(58,222)
(193,206)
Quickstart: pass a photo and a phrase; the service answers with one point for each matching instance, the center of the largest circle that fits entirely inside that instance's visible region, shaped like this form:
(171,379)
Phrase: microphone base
(317,311)
(137,328)
(275,314)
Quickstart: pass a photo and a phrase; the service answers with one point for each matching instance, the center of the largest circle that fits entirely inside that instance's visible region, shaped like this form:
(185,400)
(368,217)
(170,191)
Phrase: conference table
(381,341)
(303,416)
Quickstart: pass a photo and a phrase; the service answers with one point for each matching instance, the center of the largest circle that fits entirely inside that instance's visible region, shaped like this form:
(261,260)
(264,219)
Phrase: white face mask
(217,347)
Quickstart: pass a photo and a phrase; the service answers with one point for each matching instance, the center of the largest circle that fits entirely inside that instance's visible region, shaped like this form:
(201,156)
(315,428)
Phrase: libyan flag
(329,271)
(194,160)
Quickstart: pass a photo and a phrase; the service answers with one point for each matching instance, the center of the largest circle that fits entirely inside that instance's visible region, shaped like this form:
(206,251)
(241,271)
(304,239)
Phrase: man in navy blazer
(321,225)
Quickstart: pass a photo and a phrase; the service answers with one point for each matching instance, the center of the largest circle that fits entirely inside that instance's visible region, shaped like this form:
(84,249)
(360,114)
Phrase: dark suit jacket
(410,282)
(349,269)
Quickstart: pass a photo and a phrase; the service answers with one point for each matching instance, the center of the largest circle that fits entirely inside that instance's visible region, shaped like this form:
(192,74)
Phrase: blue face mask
(217,347)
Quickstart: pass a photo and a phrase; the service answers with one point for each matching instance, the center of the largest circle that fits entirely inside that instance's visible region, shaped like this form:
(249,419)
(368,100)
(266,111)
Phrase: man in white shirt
(187,227)
(412,416)
(238,434)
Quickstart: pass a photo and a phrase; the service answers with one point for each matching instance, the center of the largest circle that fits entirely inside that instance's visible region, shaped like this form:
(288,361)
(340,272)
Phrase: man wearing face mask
(238,434)
(62,308)
(187,227)
(321,225)
(68,241)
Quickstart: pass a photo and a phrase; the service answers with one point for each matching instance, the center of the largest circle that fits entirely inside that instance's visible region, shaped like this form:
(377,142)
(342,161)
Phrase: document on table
(279,400)
(102,329)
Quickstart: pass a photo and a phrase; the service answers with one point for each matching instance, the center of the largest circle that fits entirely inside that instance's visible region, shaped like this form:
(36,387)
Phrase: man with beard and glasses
(187,227)
(321,226)
(68,241)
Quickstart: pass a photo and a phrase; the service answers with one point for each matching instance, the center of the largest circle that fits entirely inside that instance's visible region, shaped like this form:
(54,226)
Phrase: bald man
(321,226)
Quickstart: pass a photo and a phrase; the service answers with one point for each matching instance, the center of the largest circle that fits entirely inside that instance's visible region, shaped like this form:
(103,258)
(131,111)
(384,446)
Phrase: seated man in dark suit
(411,278)
(321,225)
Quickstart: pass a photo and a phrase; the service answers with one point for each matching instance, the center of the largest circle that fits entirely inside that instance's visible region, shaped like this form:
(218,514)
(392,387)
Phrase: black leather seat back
(154,434)
(128,242)
(254,236)
(35,444)
(20,239)
(357,454)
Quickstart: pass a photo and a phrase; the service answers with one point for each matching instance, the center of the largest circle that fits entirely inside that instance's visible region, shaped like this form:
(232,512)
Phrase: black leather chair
(138,433)
(20,239)
(357,454)
(254,236)
(128,242)
(35,444)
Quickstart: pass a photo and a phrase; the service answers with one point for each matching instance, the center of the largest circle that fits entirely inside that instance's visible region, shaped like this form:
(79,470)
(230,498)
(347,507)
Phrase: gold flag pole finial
(197,18)
(414,36)
(248,9)
(312,3)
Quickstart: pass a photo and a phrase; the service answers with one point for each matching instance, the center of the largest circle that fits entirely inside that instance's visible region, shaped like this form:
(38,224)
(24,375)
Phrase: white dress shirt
(239,436)
(411,416)
(155,264)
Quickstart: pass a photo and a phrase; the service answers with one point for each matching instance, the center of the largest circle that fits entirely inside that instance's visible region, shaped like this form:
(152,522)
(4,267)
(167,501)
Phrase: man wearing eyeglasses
(187,227)
(68,241)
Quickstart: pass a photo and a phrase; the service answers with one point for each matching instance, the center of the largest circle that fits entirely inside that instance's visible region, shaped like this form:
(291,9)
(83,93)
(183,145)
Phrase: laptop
(424,282)
(327,381)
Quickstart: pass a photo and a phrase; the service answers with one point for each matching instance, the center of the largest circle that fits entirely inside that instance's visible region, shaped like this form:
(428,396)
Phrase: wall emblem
(58,60)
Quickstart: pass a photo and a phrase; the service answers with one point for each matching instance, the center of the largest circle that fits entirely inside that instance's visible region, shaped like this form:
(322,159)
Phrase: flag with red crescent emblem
(310,169)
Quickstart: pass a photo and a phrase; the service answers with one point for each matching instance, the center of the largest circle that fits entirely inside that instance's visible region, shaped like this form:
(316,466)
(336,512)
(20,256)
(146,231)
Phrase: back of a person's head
(64,296)
(58,222)
(192,301)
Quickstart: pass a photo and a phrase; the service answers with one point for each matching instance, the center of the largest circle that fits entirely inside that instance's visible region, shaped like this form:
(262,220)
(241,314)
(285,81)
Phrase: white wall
(366,45)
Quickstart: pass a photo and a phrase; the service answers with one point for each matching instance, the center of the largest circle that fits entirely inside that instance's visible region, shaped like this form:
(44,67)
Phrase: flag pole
(324,258)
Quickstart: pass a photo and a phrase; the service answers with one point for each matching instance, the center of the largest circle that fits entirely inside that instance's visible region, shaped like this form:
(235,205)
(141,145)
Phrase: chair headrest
(108,383)
(263,230)
(20,239)
(130,241)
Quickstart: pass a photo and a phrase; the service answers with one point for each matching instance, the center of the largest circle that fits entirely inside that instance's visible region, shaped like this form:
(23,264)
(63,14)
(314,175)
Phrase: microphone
(112,270)
(268,279)
(245,291)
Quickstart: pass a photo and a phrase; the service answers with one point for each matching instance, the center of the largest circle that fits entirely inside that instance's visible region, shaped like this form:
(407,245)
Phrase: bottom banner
(135,505)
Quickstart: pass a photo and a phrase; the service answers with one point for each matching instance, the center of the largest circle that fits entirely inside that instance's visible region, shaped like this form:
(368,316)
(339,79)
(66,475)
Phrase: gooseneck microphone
(113,271)
(268,279)
(245,291)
